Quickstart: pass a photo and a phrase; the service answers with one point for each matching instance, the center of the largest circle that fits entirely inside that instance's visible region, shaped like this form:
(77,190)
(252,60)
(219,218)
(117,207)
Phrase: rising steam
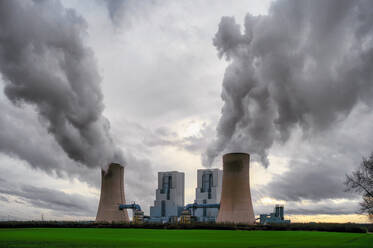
(44,62)
(306,64)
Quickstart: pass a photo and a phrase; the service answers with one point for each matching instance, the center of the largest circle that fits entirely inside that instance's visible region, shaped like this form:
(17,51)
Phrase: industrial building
(221,196)
(169,197)
(235,204)
(112,194)
(208,191)
(274,218)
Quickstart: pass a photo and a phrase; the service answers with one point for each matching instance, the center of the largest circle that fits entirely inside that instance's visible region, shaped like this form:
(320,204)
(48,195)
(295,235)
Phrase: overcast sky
(173,85)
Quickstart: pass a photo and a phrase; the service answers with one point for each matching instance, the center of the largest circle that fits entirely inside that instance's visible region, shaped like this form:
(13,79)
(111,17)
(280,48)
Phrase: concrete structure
(274,218)
(169,200)
(112,195)
(235,204)
(208,191)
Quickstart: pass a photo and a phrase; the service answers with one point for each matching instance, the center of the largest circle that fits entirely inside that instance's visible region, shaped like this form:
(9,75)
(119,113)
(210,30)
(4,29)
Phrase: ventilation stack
(235,203)
(112,194)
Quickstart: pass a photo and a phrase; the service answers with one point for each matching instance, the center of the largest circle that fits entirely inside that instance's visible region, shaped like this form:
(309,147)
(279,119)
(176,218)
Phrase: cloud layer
(44,62)
(306,64)
(50,199)
(161,80)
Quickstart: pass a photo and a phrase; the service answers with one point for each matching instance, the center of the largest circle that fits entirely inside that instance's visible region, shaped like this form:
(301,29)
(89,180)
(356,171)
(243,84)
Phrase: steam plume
(45,63)
(306,64)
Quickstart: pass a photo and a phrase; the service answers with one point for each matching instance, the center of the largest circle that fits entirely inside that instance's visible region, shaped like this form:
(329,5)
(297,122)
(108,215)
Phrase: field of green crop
(105,237)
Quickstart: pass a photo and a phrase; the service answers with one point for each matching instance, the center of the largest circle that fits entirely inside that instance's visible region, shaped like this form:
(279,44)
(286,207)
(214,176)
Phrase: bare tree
(361,181)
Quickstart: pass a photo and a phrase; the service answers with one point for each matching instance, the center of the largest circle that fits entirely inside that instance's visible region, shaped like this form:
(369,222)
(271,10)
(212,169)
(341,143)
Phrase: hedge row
(326,227)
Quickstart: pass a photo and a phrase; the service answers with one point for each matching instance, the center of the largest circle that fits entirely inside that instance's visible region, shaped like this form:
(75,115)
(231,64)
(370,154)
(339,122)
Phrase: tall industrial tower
(112,194)
(208,191)
(235,204)
(169,200)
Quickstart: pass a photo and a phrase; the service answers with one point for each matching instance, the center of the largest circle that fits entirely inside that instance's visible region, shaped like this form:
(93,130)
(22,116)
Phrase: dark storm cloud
(306,64)
(323,207)
(318,165)
(44,63)
(311,180)
(72,204)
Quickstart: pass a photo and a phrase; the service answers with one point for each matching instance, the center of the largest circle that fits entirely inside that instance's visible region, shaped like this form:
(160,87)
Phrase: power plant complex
(221,196)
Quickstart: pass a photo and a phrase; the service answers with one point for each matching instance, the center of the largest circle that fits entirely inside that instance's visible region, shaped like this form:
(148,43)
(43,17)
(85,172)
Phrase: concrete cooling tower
(235,203)
(112,194)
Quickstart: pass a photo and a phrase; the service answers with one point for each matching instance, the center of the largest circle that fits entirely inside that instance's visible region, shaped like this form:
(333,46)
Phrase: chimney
(112,194)
(235,203)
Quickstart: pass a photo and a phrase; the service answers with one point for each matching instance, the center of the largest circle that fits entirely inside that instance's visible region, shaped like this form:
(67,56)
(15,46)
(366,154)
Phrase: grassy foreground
(105,237)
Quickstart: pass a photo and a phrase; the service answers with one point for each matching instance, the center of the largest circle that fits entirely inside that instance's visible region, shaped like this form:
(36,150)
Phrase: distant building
(274,218)
(169,199)
(208,191)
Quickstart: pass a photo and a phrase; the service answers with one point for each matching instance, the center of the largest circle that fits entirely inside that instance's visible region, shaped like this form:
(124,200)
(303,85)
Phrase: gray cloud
(139,179)
(164,137)
(306,64)
(312,208)
(71,204)
(42,152)
(170,90)
(45,63)
(308,207)
(22,136)
(312,180)
(323,207)
(120,10)
(328,208)
(318,165)
(3,198)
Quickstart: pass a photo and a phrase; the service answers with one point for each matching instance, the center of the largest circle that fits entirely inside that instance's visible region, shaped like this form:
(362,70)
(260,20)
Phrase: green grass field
(105,237)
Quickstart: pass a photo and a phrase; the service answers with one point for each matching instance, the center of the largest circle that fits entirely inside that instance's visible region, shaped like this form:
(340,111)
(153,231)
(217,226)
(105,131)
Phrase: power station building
(208,191)
(169,197)
(277,217)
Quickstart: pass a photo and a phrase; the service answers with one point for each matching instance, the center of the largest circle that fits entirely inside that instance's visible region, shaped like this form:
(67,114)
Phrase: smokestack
(235,203)
(112,194)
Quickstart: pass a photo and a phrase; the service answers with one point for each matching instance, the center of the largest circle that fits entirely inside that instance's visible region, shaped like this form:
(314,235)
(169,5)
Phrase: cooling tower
(235,203)
(112,194)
